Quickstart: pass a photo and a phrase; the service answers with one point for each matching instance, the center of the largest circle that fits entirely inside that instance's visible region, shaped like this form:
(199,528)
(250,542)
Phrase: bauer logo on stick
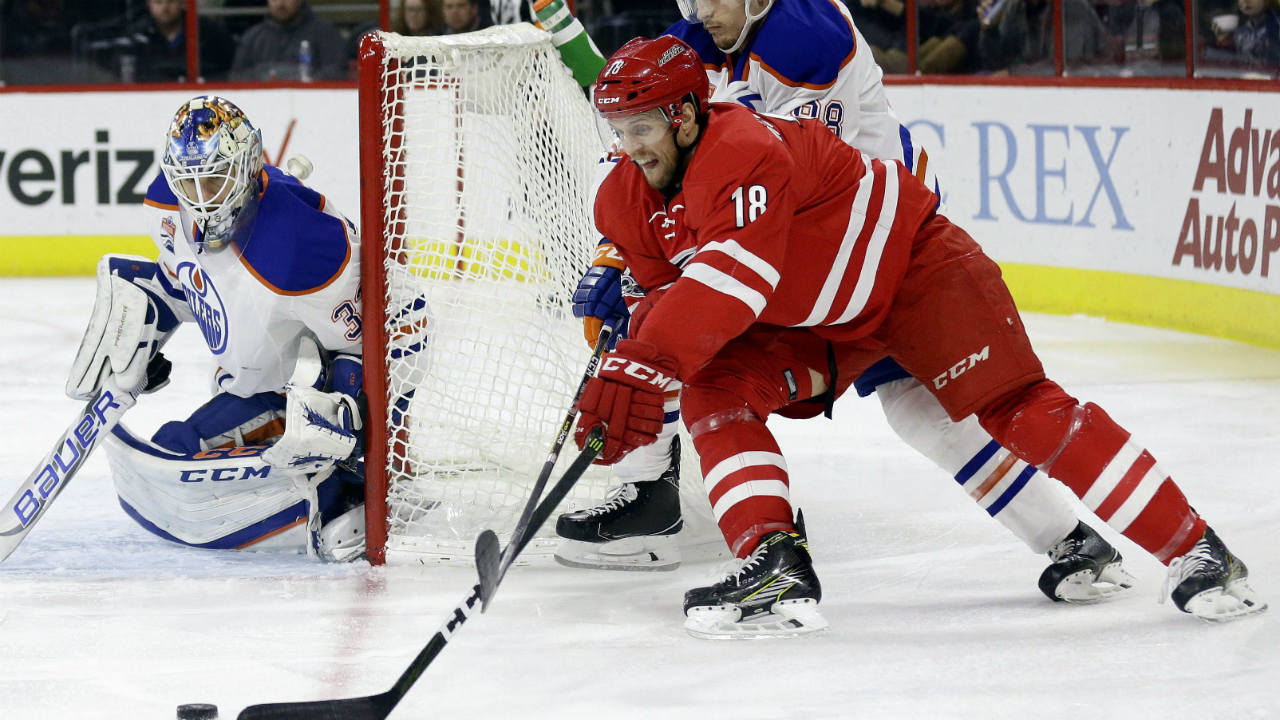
(63,461)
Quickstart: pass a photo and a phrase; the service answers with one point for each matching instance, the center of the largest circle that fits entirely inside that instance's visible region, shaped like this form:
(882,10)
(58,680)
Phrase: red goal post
(477,152)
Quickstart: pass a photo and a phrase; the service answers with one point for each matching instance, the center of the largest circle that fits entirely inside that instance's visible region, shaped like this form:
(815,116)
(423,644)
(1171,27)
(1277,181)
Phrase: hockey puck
(198,711)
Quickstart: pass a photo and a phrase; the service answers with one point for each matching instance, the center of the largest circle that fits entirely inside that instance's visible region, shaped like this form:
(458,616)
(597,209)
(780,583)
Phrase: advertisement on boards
(78,164)
(1178,184)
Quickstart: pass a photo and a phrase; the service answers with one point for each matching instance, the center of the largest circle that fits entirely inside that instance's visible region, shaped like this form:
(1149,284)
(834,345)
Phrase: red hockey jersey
(777,221)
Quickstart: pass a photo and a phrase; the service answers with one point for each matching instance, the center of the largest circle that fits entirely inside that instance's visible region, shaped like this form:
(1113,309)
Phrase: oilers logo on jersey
(206,305)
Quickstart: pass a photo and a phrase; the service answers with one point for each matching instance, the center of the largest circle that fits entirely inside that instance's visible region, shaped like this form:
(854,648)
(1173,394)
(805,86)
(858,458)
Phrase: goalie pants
(955,328)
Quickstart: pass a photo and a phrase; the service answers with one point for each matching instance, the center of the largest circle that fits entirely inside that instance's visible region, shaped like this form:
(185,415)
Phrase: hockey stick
(60,464)
(493,566)
(378,707)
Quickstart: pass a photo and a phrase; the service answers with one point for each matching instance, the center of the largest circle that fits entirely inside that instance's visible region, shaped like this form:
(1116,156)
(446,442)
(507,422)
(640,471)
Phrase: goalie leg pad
(222,498)
(218,495)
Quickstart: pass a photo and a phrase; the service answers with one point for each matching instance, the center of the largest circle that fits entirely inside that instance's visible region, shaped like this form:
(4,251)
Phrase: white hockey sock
(1025,501)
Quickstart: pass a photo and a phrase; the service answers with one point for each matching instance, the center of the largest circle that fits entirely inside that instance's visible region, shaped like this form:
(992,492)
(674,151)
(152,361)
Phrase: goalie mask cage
(477,155)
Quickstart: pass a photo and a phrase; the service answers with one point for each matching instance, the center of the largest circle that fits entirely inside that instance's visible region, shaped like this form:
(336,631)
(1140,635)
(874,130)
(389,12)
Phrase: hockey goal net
(477,155)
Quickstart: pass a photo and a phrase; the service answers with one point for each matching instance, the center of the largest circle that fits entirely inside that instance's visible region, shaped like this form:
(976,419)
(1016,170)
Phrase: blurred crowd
(113,41)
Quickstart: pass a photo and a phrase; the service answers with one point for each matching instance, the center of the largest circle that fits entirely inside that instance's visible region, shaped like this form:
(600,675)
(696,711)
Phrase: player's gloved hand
(625,398)
(599,296)
(320,427)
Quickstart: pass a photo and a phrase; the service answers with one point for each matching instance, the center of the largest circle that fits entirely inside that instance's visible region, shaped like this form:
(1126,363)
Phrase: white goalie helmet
(690,10)
(213,164)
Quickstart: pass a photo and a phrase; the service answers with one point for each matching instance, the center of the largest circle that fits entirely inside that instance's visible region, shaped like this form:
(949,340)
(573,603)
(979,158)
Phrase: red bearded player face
(650,141)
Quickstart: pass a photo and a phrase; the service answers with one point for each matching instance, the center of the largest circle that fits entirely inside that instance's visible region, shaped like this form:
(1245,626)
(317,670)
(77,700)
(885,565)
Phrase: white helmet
(213,164)
(689,8)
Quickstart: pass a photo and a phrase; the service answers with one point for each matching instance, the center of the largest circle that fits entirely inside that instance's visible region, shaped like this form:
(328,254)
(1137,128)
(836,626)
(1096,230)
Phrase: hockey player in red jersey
(748,50)
(806,261)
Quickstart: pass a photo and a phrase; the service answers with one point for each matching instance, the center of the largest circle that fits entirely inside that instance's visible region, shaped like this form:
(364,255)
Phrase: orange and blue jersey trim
(993,479)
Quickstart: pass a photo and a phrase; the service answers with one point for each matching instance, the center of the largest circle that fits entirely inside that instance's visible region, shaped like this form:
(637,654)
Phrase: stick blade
(373,707)
(488,565)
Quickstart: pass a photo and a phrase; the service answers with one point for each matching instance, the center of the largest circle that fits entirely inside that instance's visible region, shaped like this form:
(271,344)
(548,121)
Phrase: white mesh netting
(489,156)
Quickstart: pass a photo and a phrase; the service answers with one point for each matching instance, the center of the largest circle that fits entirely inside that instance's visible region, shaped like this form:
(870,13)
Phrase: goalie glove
(626,399)
(599,295)
(321,428)
(126,330)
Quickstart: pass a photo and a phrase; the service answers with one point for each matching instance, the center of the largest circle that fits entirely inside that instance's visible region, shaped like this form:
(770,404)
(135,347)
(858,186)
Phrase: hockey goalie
(269,273)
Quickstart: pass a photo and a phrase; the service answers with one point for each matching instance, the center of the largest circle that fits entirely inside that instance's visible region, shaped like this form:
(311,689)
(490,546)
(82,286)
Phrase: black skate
(1211,583)
(774,594)
(633,529)
(1085,568)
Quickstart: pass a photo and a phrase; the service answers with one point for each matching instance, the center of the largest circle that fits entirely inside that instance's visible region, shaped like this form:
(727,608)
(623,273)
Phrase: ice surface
(933,606)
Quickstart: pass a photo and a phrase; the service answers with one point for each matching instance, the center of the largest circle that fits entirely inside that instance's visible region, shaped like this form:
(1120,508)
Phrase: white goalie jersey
(298,273)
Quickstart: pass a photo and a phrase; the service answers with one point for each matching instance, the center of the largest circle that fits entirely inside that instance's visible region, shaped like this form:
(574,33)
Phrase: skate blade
(657,553)
(1083,588)
(1219,605)
(789,619)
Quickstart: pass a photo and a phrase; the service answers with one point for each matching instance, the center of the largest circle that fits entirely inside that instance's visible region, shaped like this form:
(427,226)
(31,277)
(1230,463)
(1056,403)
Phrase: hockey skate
(633,529)
(342,538)
(1085,568)
(1211,583)
(774,594)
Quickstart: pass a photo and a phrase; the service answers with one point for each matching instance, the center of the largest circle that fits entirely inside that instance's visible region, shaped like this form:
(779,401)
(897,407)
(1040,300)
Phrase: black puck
(198,711)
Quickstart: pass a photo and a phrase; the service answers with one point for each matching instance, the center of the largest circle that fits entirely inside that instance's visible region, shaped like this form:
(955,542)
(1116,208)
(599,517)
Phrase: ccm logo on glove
(626,366)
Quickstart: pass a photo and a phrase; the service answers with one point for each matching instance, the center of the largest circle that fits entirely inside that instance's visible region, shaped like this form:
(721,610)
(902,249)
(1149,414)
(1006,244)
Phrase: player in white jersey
(751,54)
(269,272)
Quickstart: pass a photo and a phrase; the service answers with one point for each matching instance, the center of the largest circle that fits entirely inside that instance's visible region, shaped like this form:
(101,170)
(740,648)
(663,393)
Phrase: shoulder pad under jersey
(159,195)
(295,248)
(816,62)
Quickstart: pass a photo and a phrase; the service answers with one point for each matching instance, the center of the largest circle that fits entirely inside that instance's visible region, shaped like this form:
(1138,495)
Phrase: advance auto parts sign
(1232,220)
(78,164)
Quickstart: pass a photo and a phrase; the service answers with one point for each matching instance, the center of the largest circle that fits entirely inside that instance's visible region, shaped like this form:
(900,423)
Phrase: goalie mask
(695,10)
(213,164)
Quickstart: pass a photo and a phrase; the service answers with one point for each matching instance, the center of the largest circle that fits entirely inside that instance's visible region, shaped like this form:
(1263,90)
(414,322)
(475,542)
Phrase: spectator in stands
(949,33)
(507,12)
(1257,34)
(419,17)
(159,42)
(246,16)
(1020,33)
(273,49)
(883,26)
(461,16)
(1140,23)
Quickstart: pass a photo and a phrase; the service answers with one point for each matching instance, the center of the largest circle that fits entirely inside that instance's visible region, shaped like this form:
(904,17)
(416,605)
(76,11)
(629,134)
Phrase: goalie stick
(491,565)
(60,464)
(378,707)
